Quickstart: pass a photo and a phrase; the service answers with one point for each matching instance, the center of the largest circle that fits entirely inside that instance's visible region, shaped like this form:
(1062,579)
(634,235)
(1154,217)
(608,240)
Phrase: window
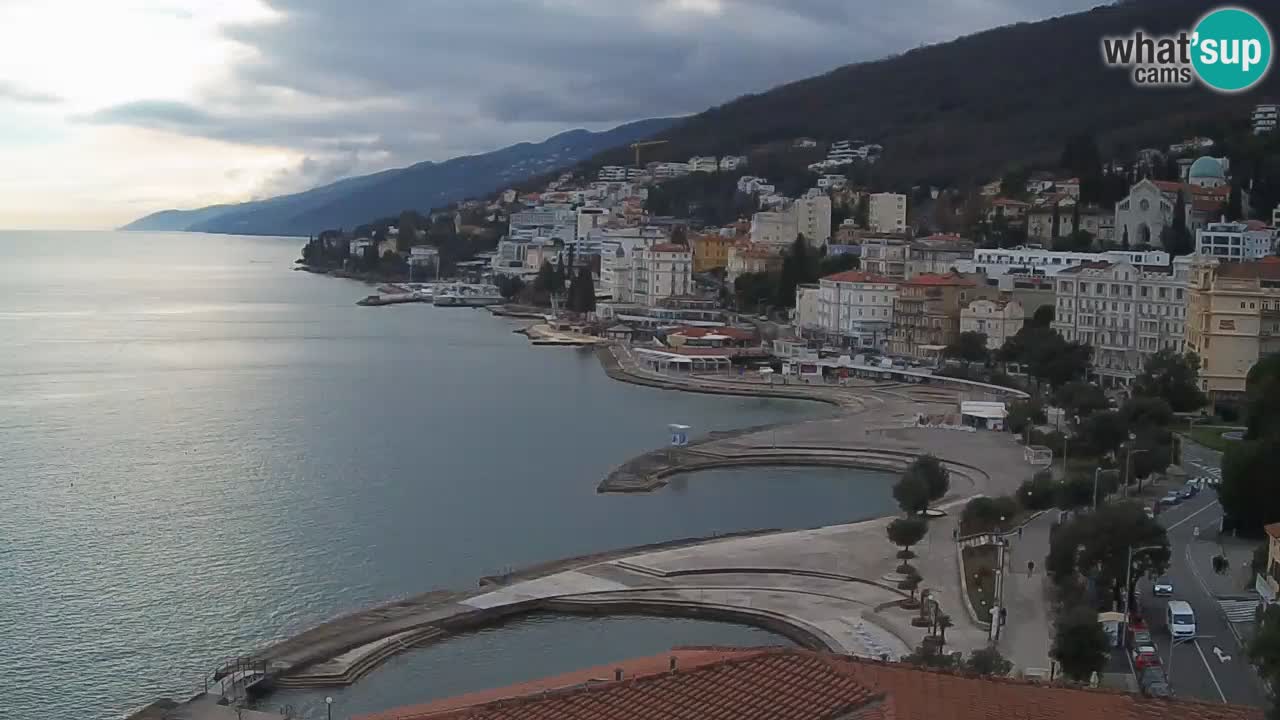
(1226,325)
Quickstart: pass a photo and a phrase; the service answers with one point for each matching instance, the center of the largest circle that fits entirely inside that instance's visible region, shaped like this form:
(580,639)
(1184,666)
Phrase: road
(1214,666)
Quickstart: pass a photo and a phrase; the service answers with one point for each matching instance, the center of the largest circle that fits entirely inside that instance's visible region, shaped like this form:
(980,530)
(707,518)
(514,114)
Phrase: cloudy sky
(111,109)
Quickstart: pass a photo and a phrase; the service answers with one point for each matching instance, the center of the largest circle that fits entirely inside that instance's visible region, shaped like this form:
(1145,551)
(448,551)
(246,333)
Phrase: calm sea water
(201,450)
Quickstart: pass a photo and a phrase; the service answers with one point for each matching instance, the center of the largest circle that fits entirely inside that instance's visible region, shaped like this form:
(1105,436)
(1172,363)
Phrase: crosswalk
(1239,611)
(1208,475)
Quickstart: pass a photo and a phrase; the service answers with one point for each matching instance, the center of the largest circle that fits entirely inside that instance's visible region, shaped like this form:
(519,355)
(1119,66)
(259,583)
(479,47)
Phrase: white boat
(464,295)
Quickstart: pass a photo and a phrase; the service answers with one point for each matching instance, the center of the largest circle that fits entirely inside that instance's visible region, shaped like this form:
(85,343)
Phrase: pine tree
(1180,239)
(1124,239)
(1055,229)
(1075,218)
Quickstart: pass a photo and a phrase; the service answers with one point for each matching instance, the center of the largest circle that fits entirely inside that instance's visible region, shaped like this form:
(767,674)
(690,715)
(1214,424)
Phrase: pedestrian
(1019,532)
(955,533)
(1031,567)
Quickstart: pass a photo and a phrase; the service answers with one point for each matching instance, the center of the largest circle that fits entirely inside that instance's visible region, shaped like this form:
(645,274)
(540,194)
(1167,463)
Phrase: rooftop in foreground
(793,684)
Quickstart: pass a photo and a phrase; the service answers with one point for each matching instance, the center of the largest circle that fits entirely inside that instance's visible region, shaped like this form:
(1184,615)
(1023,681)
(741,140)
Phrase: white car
(1170,499)
(1162,587)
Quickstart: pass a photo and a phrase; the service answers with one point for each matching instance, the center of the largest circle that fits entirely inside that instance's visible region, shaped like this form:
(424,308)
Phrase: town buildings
(999,320)
(773,228)
(703,164)
(885,254)
(748,257)
(936,254)
(855,309)
(1233,319)
(1126,312)
(1235,241)
(710,251)
(1013,211)
(926,316)
(1265,116)
(1146,211)
(813,218)
(661,271)
(887,212)
(1036,261)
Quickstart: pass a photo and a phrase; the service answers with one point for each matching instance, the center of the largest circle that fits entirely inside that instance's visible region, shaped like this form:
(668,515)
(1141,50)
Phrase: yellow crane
(646,143)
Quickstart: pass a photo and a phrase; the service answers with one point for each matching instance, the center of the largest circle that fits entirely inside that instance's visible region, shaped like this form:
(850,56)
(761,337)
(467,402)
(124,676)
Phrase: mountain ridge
(356,200)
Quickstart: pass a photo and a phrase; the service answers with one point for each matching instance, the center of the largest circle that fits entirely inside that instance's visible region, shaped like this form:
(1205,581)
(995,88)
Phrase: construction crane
(646,143)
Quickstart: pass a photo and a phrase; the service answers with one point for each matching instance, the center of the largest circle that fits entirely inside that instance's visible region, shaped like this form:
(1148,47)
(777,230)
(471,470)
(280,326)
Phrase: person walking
(1031,567)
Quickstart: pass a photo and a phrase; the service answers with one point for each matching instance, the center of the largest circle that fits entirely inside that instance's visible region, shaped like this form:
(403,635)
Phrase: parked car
(1144,656)
(1151,675)
(1158,690)
(1150,513)
(1180,619)
(1139,636)
(1170,499)
(1188,491)
(1162,587)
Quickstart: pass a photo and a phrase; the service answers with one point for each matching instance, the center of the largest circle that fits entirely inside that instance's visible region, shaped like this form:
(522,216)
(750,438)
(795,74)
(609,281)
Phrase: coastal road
(1214,666)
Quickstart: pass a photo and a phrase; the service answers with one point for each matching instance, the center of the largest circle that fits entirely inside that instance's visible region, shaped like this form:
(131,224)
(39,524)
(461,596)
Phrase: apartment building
(855,309)
(813,218)
(937,254)
(661,271)
(776,228)
(885,254)
(710,251)
(999,320)
(748,257)
(1037,261)
(887,212)
(926,314)
(1126,312)
(1235,241)
(1265,117)
(1233,319)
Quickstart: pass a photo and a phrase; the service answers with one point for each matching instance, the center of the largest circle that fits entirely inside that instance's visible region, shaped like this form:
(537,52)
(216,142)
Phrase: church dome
(1206,167)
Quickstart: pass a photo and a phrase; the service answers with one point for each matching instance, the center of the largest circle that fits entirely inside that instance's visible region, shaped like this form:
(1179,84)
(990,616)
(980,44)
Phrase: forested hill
(966,109)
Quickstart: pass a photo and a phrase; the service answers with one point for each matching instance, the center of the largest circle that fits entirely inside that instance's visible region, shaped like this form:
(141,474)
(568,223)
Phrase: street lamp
(328,706)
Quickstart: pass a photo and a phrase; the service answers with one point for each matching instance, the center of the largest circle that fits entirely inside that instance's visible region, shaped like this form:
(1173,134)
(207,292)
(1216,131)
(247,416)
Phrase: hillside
(964,110)
(357,200)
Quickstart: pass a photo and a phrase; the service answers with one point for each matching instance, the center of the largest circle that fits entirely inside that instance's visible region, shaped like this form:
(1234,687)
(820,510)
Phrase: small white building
(773,228)
(805,319)
(855,309)
(729,163)
(703,164)
(833,182)
(669,170)
(1235,241)
(1265,117)
(612,173)
(999,320)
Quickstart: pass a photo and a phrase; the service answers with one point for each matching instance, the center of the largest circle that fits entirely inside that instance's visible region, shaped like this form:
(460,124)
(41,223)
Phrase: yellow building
(710,251)
(1233,318)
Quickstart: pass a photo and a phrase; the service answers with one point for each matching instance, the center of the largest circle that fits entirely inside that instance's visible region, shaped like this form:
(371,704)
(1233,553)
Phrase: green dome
(1206,167)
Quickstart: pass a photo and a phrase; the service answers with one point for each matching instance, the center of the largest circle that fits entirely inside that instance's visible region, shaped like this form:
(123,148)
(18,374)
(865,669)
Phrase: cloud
(352,89)
(14,93)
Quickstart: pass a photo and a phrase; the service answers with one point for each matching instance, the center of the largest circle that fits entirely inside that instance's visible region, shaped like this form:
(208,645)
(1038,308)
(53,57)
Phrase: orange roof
(941,280)
(1273,530)
(794,684)
(669,247)
(858,276)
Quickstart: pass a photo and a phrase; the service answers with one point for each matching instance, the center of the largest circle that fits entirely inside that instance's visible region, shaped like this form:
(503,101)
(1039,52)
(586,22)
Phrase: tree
(912,493)
(1124,239)
(1075,219)
(862,213)
(1097,545)
(1075,492)
(970,347)
(680,236)
(833,264)
(905,532)
(1174,378)
(988,662)
(510,285)
(1080,399)
(548,280)
(1047,356)
(1042,317)
(986,514)
(1079,643)
(1180,241)
(1055,229)
(582,292)
(753,290)
(936,477)
(1023,413)
(407,230)
(1262,398)
(1264,651)
(1250,489)
(1038,493)
(1147,412)
(798,266)
(1102,432)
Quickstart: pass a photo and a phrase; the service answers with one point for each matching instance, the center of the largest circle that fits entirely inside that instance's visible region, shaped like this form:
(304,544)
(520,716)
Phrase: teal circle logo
(1231,49)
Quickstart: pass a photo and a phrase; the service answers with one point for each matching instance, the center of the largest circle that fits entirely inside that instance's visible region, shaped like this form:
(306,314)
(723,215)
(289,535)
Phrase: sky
(112,109)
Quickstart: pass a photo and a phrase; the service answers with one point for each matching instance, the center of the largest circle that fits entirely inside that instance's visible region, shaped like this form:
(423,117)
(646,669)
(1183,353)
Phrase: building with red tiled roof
(794,684)
(926,316)
(854,310)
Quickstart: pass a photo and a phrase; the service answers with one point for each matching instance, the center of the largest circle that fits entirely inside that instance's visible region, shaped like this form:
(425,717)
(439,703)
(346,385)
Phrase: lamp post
(328,706)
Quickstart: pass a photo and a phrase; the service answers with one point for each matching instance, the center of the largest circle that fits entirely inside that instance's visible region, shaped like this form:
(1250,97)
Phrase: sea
(203,450)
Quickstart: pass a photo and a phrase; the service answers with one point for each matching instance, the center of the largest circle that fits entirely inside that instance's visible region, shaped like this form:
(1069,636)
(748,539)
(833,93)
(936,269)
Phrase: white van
(1180,619)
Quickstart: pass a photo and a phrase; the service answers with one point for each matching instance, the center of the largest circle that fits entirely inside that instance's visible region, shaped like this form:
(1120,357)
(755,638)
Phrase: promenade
(832,588)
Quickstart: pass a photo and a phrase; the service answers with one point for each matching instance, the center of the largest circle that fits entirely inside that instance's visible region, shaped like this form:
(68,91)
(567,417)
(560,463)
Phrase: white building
(1034,261)
(855,308)
(1265,116)
(612,173)
(1235,241)
(813,218)
(805,319)
(885,255)
(661,271)
(1126,312)
(1148,209)
(999,320)
(833,182)
(589,218)
(666,171)
(703,164)
(729,163)
(887,213)
(773,228)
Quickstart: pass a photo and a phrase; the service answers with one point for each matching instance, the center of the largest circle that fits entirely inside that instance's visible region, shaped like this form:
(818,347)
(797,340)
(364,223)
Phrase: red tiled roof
(858,276)
(1273,530)
(941,280)
(669,247)
(697,332)
(1169,186)
(794,684)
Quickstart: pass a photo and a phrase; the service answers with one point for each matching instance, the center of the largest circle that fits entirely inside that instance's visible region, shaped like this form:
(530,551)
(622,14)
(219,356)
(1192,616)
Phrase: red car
(1145,656)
